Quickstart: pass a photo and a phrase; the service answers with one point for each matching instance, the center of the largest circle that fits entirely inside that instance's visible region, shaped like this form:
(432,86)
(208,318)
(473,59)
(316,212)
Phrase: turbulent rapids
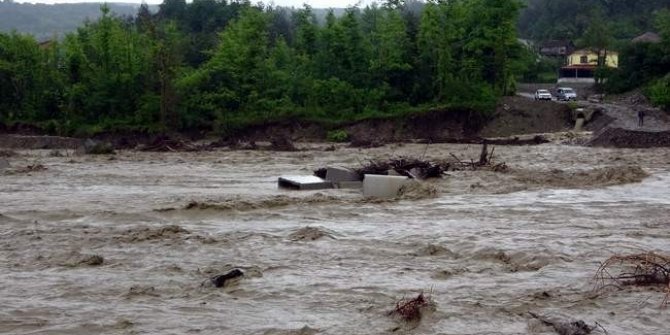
(93,244)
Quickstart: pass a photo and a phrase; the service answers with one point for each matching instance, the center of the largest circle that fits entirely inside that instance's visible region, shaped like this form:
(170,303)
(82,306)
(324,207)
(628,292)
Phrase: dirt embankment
(518,115)
(513,116)
(628,138)
(437,125)
(618,125)
(39,142)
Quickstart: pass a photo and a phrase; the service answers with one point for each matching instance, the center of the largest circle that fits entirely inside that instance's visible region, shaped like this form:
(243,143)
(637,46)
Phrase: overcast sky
(294,3)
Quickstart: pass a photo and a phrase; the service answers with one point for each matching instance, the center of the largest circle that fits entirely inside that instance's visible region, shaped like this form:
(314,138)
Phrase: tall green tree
(106,63)
(236,76)
(390,62)
(598,37)
(30,87)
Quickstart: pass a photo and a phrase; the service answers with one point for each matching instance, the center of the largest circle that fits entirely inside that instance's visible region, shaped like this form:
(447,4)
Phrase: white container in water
(303,183)
(383,186)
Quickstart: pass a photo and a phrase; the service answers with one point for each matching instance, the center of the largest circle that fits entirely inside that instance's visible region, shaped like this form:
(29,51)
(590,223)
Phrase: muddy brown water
(488,248)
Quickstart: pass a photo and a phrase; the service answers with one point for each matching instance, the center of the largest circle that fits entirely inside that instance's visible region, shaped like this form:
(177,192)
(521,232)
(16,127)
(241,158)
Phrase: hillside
(540,19)
(44,21)
(569,19)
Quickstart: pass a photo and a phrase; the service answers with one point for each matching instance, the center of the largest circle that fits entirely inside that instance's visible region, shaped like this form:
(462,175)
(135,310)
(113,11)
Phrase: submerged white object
(383,186)
(304,183)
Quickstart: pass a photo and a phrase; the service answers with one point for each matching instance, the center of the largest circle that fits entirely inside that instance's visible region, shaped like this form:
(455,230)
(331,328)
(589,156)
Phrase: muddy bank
(39,142)
(627,138)
(518,115)
(515,121)
(435,125)
(599,177)
(513,116)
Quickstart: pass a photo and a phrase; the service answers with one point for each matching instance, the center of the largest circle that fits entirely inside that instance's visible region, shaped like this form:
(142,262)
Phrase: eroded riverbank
(491,246)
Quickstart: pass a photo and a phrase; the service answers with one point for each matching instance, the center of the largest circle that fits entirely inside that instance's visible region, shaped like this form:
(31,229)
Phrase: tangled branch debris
(485,162)
(8,153)
(282,144)
(31,168)
(646,269)
(410,310)
(92,147)
(166,143)
(423,169)
(405,166)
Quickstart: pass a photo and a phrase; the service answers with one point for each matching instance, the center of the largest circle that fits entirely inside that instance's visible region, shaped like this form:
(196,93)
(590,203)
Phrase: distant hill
(569,19)
(45,21)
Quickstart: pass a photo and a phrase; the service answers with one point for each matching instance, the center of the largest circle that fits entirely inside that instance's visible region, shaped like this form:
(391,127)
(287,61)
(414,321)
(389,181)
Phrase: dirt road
(616,123)
(625,116)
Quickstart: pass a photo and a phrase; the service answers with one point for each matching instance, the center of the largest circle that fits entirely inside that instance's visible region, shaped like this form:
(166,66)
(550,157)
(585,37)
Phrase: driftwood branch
(646,269)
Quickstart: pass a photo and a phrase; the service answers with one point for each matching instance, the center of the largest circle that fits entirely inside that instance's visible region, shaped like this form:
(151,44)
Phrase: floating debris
(562,327)
(411,310)
(645,269)
(220,280)
(309,234)
(417,168)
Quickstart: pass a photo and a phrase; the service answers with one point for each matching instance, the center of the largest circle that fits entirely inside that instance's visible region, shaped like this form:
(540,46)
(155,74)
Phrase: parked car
(566,94)
(543,95)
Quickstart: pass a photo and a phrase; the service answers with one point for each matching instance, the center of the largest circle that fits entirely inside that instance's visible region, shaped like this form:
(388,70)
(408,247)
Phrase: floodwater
(488,249)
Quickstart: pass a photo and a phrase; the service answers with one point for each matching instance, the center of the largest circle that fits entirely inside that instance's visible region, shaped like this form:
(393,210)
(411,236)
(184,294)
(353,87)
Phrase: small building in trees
(591,57)
(581,65)
(647,37)
(556,48)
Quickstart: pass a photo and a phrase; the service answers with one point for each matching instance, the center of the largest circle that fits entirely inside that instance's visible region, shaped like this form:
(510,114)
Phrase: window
(584,59)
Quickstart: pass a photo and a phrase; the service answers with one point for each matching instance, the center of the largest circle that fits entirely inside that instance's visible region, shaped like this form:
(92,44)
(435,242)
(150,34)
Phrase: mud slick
(599,177)
(35,167)
(149,234)
(75,259)
(39,142)
(239,204)
(309,234)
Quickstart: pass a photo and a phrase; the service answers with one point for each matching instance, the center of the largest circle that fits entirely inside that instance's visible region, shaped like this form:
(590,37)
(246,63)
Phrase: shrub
(572,105)
(659,93)
(337,136)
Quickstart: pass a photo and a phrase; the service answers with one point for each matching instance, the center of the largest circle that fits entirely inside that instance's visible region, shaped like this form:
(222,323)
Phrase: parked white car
(543,95)
(566,94)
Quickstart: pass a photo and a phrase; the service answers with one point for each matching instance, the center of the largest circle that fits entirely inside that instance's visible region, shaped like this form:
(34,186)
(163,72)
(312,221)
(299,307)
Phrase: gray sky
(295,3)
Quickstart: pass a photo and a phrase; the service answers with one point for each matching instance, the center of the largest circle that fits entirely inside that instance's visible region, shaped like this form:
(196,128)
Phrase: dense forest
(220,66)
